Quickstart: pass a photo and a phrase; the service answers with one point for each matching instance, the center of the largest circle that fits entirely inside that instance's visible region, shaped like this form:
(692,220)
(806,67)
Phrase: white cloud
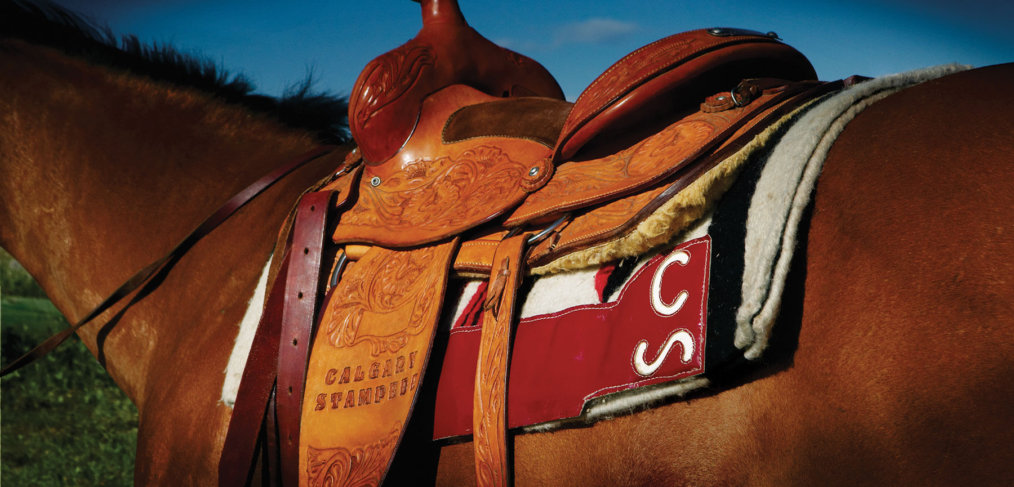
(592,31)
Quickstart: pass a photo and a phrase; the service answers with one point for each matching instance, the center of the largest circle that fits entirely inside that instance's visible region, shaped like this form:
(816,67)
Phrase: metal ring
(338,267)
(735,101)
(541,235)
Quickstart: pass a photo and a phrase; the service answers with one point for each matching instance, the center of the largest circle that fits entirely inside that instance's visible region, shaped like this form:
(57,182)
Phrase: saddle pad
(784,190)
(666,297)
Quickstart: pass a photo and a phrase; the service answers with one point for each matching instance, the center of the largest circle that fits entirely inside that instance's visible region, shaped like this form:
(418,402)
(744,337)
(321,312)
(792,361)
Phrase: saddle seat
(472,156)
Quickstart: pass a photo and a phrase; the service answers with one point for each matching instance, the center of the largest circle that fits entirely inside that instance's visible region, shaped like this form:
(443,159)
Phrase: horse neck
(102,172)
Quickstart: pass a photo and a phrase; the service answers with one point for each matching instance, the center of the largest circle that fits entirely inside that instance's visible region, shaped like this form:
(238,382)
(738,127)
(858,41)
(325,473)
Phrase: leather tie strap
(282,339)
(300,309)
(236,465)
(489,413)
(153,274)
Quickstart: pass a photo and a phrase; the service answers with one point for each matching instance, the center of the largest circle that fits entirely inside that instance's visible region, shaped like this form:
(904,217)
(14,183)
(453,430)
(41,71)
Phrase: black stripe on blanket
(728,234)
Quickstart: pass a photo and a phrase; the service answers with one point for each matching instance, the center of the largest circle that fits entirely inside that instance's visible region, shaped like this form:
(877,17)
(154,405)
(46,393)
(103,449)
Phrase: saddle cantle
(670,75)
(470,161)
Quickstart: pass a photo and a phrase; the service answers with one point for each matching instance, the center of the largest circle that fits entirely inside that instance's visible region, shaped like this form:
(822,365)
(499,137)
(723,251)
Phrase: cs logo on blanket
(678,279)
(681,336)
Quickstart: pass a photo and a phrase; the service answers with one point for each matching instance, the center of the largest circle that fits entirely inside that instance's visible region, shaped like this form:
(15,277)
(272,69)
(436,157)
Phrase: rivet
(533,171)
(721,98)
(375,181)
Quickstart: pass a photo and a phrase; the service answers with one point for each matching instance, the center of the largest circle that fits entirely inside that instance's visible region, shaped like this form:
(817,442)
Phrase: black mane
(53,26)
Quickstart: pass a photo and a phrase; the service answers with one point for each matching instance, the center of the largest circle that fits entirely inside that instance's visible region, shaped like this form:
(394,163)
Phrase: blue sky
(275,43)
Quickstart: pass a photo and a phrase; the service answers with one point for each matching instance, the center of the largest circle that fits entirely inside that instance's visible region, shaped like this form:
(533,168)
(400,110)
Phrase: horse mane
(53,26)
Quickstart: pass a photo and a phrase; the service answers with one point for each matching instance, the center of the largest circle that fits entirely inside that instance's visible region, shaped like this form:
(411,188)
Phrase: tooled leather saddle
(470,162)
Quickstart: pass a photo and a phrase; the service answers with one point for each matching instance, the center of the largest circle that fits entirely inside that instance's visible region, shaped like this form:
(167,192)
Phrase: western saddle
(469,161)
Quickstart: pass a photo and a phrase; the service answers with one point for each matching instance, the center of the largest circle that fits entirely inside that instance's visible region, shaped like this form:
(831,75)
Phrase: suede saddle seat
(474,156)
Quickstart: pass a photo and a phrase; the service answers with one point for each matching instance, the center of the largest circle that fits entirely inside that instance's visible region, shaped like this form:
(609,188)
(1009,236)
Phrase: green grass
(62,419)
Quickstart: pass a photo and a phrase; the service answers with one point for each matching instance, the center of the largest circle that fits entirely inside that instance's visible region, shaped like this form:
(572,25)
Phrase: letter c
(661,307)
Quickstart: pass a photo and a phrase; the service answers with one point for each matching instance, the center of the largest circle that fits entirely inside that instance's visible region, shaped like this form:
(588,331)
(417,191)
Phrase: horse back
(907,295)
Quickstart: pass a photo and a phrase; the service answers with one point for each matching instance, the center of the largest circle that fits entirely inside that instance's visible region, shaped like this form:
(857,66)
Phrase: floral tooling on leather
(394,297)
(441,196)
(339,466)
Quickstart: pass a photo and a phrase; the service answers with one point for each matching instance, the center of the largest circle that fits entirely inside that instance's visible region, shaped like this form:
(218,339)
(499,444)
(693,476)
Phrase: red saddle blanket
(563,360)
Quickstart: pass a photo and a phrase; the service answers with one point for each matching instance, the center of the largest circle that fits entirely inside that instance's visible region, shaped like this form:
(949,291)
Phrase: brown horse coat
(902,372)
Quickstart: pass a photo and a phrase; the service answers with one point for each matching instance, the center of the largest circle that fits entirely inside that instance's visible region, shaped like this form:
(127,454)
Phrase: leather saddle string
(152,275)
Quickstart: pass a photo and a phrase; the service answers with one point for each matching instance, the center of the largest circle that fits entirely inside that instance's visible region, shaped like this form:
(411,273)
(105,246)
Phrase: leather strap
(152,275)
(300,308)
(271,474)
(489,414)
(236,465)
(281,339)
(305,229)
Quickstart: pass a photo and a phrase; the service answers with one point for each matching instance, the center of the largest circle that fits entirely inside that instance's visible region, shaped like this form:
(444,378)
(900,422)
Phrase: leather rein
(151,276)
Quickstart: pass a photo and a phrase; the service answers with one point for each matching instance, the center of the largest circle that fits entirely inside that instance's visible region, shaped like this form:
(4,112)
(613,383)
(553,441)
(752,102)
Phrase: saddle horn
(386,99)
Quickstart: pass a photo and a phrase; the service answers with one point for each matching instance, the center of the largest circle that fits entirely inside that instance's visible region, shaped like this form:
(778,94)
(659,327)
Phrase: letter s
(645,369)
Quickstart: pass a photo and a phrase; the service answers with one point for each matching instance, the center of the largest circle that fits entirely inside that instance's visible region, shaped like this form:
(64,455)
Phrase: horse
(897,368)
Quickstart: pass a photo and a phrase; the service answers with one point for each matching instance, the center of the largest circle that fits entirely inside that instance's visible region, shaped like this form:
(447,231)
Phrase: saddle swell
(386,99)
(466,153)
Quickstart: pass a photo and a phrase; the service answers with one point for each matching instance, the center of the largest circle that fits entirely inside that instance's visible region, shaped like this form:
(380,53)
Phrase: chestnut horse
(899,369)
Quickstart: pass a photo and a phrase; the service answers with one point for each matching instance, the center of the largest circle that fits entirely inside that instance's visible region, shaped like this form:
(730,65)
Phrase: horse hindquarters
(903,368)
(908,284)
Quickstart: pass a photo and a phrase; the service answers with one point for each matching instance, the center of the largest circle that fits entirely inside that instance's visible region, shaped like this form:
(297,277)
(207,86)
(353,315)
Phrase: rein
(152,275)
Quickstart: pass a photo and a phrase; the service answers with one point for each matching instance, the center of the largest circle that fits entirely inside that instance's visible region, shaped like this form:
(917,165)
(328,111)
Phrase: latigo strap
(300,309)
(283,334)
(489,416)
